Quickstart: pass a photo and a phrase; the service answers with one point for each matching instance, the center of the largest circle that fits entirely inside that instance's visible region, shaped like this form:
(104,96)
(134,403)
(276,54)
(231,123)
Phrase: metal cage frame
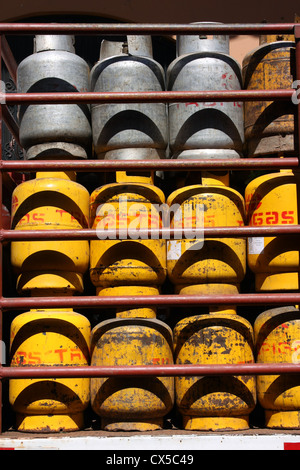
(6,167)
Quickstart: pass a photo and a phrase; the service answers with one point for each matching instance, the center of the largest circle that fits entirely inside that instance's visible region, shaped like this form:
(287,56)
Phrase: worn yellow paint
(272,199)
(133,291)
(133,261)
(277,339)
(132,177)
(214,403)
(269,126)
(212,289)
(132,403)
(52,337)
(197,260)
(50,201)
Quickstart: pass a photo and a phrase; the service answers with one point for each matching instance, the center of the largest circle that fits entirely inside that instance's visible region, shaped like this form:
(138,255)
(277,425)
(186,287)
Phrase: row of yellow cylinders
(135,337)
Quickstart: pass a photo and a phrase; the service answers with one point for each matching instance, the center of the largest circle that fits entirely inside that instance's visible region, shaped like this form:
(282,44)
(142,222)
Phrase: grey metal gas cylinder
(128,131)
(209,129)
(54,129)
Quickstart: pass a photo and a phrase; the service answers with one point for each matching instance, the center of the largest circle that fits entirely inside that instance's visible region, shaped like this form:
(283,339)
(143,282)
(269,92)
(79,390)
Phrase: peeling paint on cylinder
(131,312)
(214,403)
(132,403)
(277,333)
(269,126)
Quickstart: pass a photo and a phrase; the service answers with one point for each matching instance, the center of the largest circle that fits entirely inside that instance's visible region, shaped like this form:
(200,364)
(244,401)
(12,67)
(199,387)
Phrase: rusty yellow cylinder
(134,259)
(131,312)
(212,290)
(50,201)
(132,403)
(270,125)
(277,340)
(214,403)
(272,200)
(50,337)
(195,260)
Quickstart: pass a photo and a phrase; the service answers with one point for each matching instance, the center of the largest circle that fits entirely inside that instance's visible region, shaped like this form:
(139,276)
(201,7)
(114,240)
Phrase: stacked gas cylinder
(135,265)
(211,266)
(51,200)
(272,199)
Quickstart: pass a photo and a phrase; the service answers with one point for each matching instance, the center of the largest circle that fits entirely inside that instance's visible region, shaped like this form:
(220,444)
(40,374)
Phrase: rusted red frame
(164,233)
(149,301)
(148,96)
(160,371)
(93,301)
(146,28)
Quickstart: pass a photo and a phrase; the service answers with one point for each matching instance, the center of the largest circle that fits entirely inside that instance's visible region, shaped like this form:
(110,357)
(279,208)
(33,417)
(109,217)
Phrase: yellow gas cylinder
(219,289)
(269,125)
(130,312)
(50,201)
(51,337)
(272,199)
(194,260)
(132,403)
(277,340)
(135,259)
(214,403)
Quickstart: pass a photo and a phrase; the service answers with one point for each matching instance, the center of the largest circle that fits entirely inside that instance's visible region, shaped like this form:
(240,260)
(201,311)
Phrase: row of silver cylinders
(131,130)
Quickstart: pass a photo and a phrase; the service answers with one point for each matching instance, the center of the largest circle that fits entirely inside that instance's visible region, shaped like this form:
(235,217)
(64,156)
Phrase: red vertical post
(1,226)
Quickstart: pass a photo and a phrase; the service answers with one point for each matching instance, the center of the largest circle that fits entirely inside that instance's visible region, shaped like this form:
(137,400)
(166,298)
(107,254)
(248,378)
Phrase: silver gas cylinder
(128,131)
(48,129)
(209,129)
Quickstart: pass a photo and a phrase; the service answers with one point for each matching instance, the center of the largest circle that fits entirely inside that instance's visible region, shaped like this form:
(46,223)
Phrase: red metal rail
(147,96)
(149,301)
(164,233)
(139,371)
(168,165)
(152,29)
(142,165)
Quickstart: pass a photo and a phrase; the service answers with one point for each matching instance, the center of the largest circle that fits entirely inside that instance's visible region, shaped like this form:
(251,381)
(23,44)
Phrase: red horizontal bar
(173,300)
(142,165)
(169,370)
(163,233)
(147,96)
(146,28)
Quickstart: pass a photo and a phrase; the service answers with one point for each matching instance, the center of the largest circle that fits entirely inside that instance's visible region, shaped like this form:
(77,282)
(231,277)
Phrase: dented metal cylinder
(51,337)
(277,333)
(132,403)
(133,131)
(272,200)
(60,129)
(270,125)
(208,129)
(50,201)
(221,402)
